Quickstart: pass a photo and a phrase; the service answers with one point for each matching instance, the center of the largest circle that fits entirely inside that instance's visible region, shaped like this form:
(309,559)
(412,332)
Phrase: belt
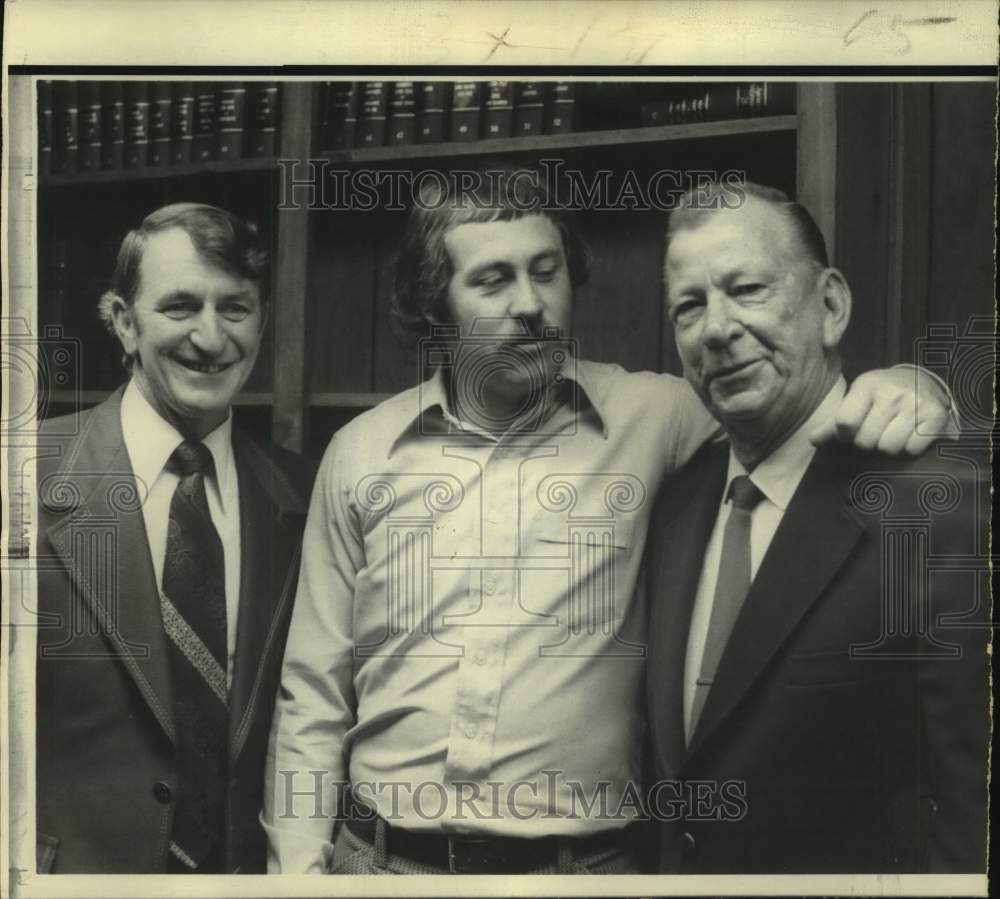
(482,855)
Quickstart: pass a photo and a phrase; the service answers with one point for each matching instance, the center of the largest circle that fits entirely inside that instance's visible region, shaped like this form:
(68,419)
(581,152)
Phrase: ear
(836,306)
(123,319)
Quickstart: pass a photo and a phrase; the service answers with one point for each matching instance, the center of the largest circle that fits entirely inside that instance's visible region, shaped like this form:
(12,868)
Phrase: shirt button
(481,657)
(162,792)
(470,731)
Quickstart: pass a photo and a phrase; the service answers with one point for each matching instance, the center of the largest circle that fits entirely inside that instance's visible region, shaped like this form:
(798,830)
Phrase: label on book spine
(88,157)
(402,113)
(498,119)
(204,121)
(529,108)
(182,122)
(466,108)
(562,102)
(66,115)
(44,127)
(232,119)
(431,109)
(136,124)
(112,125)
(371,121)
(263,116)
(340,115)
(160,113)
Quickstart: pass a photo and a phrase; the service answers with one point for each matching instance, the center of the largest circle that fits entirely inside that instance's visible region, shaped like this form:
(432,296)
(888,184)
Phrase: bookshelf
(332,270)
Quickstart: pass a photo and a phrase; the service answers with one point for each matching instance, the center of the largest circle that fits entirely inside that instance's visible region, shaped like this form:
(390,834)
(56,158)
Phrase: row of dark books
(89,126)
(396,113)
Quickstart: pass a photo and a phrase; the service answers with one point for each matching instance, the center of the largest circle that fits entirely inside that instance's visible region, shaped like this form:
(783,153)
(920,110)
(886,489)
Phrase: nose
(208,335)
(525,299)
(719,326)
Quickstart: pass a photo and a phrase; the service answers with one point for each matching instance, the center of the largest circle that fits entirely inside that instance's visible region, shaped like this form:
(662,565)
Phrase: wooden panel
(394,363)
(617,313)
(863,211)
(816,169)
(290,279)
(341,303)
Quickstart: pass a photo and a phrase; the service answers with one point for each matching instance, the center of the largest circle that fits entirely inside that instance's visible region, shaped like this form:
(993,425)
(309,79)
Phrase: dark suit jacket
(105,728)
(862,764)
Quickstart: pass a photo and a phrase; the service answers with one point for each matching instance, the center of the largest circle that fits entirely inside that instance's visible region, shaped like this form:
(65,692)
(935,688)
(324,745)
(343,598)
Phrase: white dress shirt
(150,441)
(777,477)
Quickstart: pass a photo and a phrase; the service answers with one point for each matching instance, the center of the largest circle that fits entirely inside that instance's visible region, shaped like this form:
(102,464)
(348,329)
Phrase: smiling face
(756,322)
(193,333)
(510,283)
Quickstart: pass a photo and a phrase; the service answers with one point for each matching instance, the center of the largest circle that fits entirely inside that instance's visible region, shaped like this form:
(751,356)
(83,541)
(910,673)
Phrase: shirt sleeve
(316,703)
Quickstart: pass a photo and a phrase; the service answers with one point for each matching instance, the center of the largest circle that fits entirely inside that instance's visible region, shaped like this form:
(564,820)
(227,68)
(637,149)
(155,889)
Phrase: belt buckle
(463,858)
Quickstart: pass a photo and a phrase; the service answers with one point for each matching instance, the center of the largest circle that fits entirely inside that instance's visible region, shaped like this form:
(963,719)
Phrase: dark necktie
(731,588)
(193,604)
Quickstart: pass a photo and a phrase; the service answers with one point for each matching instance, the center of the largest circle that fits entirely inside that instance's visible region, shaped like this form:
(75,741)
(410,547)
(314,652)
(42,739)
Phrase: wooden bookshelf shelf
(157,173)
(568,141)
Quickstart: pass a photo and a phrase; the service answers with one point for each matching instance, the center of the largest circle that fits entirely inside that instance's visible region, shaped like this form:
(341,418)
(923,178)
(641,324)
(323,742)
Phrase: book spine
(340,115)
(559,117)
(466,110)
(88,156)
(498,119)
(66,118)
(371,121)
(529,108)
(203,148)
(432,107)
(160,116)
(112,125)
(402,113)
(263,117)
(136,124)
(182,122)
(44,127)
(232,98)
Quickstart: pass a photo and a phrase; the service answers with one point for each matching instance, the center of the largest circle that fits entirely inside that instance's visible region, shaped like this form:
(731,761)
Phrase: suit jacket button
(688,846)
(162,792)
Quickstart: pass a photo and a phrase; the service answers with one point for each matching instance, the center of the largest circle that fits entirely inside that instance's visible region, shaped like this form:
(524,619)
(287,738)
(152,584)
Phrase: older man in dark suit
(168,547)
(805,664)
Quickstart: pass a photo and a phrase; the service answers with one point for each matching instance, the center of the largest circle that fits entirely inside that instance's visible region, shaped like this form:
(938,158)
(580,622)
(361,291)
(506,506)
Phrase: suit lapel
(689,518)
(270,515)
(815,538)
(96,527)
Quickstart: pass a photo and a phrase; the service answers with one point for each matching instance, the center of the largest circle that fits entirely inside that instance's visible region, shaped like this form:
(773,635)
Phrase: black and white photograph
(446,465)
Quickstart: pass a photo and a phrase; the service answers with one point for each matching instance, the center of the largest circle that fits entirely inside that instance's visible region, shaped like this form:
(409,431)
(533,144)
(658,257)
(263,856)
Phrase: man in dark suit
(817,688)
(168,547)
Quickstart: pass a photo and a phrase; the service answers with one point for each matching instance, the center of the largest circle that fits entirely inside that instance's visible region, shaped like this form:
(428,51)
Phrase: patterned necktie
(731,588)
(193,603)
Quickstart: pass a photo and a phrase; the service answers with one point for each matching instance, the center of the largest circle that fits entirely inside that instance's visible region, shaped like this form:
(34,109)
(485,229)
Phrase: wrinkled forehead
(502,240)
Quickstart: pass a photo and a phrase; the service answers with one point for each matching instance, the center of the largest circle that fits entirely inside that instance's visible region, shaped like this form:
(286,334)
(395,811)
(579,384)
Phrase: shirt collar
(434,414)
(778,476)
(150,441)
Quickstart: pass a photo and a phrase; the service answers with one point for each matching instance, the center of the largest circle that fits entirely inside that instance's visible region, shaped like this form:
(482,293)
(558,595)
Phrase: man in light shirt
(168,548)
(800,650)
(467,650)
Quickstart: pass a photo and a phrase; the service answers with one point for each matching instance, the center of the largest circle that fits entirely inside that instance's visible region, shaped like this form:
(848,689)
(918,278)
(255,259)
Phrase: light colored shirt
(466,623)
(150,441)
(777,477)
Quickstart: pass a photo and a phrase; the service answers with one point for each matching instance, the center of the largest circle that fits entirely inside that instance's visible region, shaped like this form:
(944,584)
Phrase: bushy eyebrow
(186,296)
(554,254)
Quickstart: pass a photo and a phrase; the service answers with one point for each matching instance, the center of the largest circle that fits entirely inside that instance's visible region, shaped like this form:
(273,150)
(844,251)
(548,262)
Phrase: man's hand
(895,410)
